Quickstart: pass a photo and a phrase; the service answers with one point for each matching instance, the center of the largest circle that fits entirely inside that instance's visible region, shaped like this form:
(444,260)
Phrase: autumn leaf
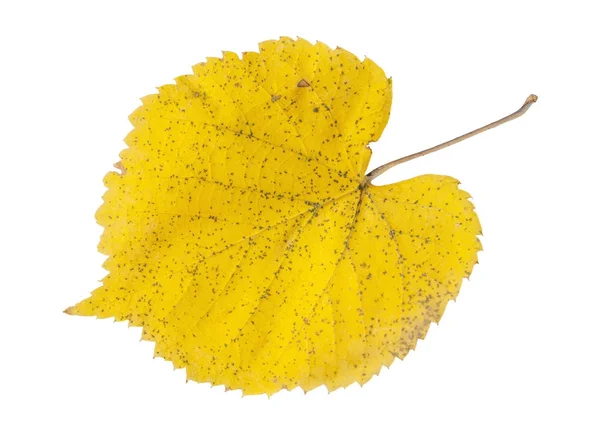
(243,235)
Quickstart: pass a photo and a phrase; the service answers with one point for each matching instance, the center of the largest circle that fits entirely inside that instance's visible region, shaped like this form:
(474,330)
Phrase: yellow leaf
(242,234)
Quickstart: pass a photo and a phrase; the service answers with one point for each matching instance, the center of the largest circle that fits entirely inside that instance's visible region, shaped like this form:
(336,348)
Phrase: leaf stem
(531,99)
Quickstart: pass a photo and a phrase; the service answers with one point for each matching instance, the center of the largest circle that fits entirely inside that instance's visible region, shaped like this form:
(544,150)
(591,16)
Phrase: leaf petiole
(531,99)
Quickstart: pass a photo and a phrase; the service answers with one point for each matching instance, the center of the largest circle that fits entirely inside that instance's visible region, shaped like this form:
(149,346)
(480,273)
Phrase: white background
(516,356)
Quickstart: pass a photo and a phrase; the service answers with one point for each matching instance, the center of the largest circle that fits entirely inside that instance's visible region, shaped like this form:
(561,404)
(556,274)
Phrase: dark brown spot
(303,83)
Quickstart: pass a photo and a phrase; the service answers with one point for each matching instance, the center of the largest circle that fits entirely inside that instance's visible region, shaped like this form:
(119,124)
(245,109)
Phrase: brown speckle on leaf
(303,83)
